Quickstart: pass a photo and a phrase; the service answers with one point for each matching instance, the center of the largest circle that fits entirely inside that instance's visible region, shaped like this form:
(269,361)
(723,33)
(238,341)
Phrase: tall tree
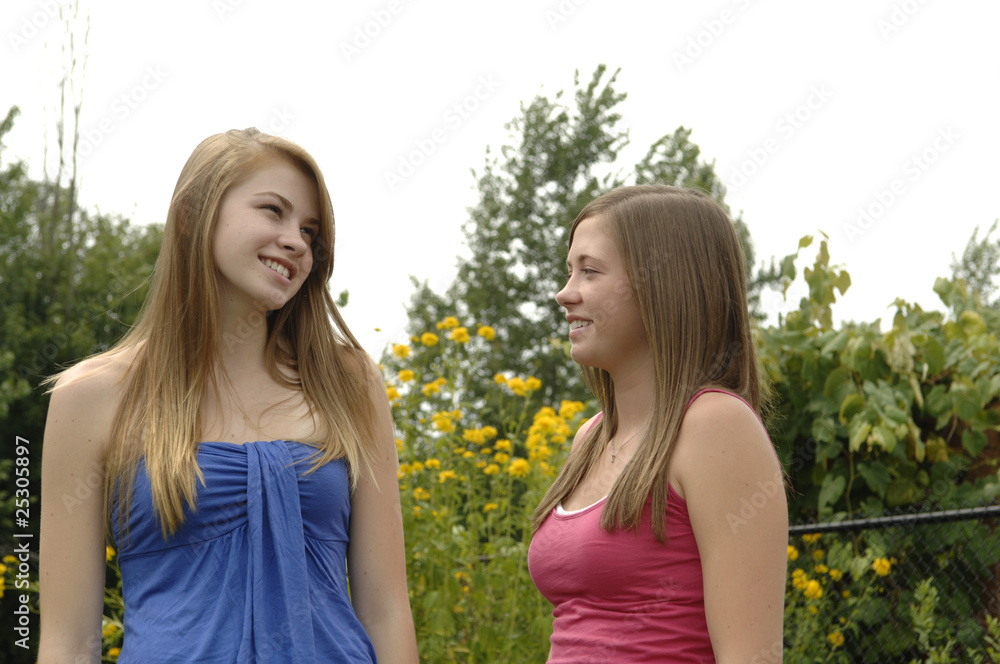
(562,156)
(980,265)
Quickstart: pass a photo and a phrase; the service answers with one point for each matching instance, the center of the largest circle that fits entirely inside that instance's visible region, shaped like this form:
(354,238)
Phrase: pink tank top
(622,597)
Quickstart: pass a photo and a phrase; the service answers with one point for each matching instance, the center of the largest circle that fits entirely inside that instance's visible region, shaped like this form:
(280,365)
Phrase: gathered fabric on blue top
(257,572)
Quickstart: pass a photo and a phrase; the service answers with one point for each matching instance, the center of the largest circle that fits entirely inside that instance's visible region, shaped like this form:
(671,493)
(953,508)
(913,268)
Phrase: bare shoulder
(86,397)
(721,439)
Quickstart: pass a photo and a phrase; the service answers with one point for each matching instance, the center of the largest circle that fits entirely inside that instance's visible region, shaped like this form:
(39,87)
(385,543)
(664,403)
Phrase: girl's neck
(635,395)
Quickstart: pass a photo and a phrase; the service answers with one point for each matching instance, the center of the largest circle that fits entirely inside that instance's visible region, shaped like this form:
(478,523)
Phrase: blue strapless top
(256,574)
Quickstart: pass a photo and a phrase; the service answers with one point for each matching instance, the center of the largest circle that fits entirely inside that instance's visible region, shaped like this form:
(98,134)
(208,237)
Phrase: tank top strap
(732,394)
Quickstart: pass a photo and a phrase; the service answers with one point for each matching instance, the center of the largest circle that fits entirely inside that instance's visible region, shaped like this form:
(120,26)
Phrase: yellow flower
(519,467)
(392,393)
(468,454)
(3,570)
(793,553)
(417,509)
(109,630)
(418,467)
(813,590)
(517,386)
(501,457)
(448,323)
(818,555)
(109,553)
(540,453)
(846,594)
(403,470)
(500,379)
(486,450)
(11,560)
(799,579)
(532,383)
(812,609)
(421,494)
(405,376)
(434,386)
(503,444)
(836,574)
(113,652)
(443,422)
(547,470)
(399,444)
(569,409)
(882,566)
(480,464)
(490,506)
(491,469)
(401,351)
(821,569)
(475,436)
(446,475)
(486,332)
(811,539)
(429,339)
(432,463)
(836,639)
(459,335)
(489,432)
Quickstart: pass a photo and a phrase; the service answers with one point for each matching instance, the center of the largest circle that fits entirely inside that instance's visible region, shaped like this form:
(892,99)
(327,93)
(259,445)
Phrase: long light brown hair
(686,272)
(176,341)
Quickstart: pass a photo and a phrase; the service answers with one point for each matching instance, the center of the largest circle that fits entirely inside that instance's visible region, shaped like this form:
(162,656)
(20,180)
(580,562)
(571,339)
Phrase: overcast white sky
(811,111)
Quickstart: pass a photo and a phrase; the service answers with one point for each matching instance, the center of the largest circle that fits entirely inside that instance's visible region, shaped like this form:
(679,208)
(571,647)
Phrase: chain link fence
(898,588)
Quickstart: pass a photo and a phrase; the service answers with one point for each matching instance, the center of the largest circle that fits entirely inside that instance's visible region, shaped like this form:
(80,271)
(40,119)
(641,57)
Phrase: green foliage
(71,282)
(562,157)
(866,419)
(980,265)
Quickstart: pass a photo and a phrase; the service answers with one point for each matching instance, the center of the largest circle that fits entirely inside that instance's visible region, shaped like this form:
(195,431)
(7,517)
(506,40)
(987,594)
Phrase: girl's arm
(72,560)
(376,559)
(724,462)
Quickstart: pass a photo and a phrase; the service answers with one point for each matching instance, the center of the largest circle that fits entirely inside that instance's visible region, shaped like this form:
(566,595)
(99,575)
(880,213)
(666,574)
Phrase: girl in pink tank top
(643,544)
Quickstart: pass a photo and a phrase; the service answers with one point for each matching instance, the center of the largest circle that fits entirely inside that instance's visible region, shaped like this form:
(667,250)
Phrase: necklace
(614,454)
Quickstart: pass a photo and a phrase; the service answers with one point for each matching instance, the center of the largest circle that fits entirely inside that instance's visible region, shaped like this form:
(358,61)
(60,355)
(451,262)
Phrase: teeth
(277,267)
(577,324)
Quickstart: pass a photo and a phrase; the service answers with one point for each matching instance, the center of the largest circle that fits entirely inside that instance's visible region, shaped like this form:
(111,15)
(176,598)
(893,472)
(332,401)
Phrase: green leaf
(902,491)
(883,437)
(974,442)
(805,241)
(852,404)
(876,476)
(858,431)
(965,399)
(830,492)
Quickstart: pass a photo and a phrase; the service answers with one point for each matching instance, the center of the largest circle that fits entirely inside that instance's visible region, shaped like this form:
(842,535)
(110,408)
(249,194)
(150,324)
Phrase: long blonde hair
(175,342)
(686,272)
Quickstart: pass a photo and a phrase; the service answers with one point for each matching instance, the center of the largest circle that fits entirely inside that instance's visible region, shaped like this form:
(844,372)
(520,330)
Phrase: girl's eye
(311,232)
(273,208)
